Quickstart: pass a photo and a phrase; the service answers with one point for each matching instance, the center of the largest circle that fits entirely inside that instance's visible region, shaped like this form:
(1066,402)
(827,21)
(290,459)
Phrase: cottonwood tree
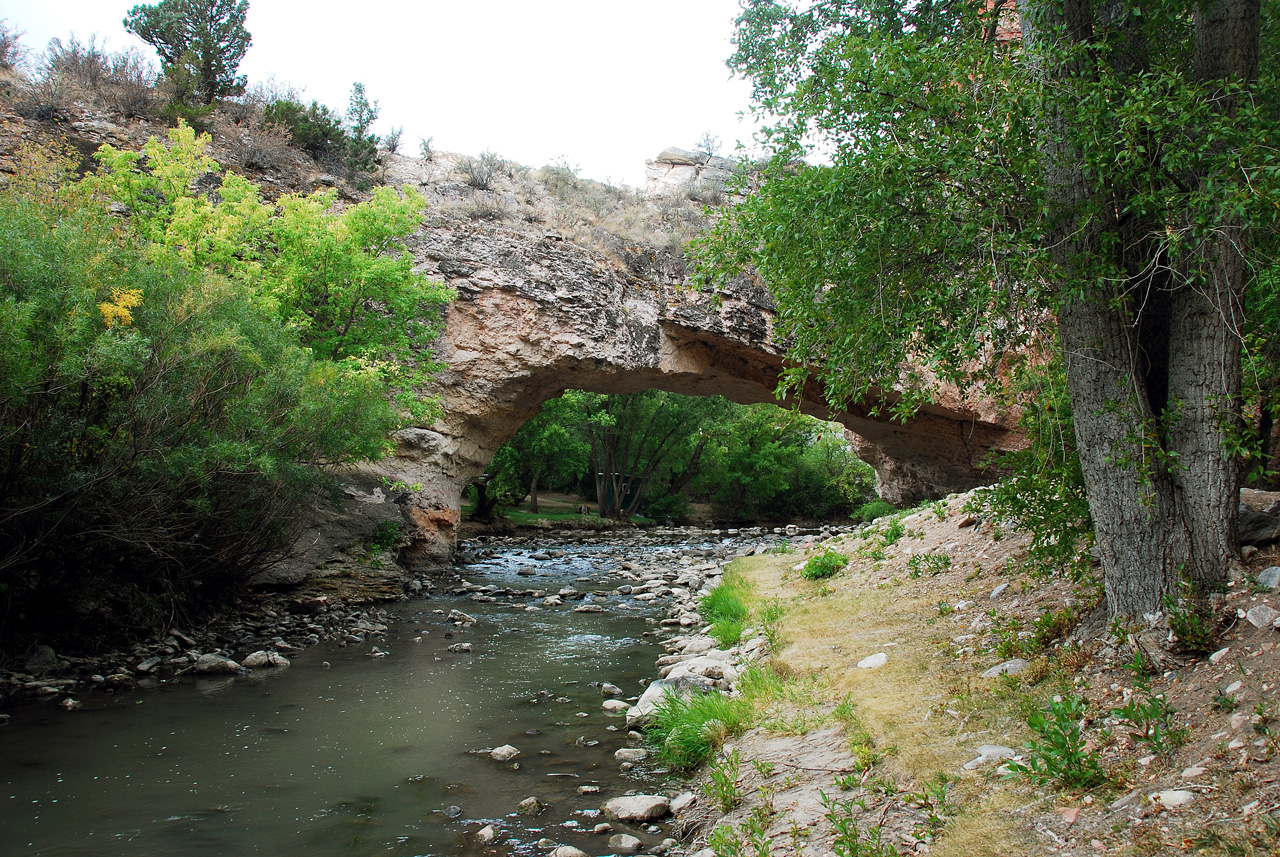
(200,43)
(1095,177)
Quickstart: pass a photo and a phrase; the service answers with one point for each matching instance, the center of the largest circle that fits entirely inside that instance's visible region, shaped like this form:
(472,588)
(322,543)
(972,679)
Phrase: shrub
(480,173)
(874,509)
(12,52)
(316,129)
(1060,756)
(825,564)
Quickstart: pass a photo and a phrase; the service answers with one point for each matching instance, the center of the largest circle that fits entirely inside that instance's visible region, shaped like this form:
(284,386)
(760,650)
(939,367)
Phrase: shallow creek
(347,753)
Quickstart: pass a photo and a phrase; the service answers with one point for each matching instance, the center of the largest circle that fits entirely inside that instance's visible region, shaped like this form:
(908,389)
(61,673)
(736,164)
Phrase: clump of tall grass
(726,609)
(687,730)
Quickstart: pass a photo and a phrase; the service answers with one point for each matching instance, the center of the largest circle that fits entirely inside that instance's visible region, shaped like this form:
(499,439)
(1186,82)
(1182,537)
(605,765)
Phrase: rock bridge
(536,315)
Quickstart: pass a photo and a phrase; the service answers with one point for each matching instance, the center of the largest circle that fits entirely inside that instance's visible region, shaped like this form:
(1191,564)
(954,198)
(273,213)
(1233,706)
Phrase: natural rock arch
(536,315)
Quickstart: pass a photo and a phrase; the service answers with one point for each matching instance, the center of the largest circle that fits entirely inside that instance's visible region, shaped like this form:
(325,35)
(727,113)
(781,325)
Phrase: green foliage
(1060,754)
(725,609)
(686,731)
(160,421)
(927,563)
(1112,183)
(826,564)
(850,841)
(315,129)
(362,147)
(873,509)
(1044,494)
(722,785)
(1191,623)
(343,281)
(1153,720)
(200,43)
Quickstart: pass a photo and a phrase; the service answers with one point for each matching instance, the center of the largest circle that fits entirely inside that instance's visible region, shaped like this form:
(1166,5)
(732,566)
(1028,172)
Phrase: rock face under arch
(536,315)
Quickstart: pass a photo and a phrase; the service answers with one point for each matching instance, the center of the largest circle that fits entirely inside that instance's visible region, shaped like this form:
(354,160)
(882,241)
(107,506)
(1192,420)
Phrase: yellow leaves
(117,310)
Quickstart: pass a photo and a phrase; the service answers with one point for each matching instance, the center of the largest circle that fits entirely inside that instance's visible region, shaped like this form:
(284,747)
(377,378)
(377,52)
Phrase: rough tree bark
(1152,356)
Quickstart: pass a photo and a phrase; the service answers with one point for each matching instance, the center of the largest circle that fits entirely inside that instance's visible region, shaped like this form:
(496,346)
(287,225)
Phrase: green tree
(1112,169)
(548,449)
(362,147)
(344,281)
(159,420)
(200,43)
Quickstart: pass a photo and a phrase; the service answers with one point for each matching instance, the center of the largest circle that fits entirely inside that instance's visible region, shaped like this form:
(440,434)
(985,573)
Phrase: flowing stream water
(345,753)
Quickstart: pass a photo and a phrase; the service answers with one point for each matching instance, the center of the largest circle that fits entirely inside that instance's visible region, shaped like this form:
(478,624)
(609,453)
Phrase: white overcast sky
(604,83)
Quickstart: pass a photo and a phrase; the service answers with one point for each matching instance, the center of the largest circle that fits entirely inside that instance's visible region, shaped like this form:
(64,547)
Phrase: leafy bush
(165,404)
(1060,756)
(825,564)
(315,129)
(874,509)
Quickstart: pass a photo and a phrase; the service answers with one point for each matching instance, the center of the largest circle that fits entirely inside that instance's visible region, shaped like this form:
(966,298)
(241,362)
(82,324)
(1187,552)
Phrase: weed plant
(1060,755)
(850,841)
(823,565)
(723,786)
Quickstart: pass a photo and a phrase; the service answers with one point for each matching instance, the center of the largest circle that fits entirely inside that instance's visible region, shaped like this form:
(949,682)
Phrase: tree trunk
(533,492)
(1152,355)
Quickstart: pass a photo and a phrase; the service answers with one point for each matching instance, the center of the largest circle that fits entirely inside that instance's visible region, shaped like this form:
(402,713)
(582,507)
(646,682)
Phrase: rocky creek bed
(487,710)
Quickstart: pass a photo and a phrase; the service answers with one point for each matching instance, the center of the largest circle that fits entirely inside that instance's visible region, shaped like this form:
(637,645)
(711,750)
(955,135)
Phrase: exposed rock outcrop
(536,315)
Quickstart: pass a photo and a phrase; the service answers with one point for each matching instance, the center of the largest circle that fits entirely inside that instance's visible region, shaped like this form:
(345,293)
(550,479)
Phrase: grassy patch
(725,608)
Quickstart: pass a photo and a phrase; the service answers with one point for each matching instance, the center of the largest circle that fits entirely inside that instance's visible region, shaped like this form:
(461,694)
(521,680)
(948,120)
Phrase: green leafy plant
(1060,754)
(1190,623)
(893,532)
(1153,719)
(927,563)
(723,785)
(825,564)
(850,841)
(874,509)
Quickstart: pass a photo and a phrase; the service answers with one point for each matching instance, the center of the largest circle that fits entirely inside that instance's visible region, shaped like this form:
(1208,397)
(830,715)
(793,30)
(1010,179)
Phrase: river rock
(589,608)
(149,665)
(681,802)
(487,834)
(1269,578)
(683,686)
(505,753)
(870,662)
(459,616)
(218,665)
(566,851)
(624,843)
(460,647)
(530,806)
(40,660)
(1010,667)
(631,754)
(637,807)
(610,690)
(265,659)
(615,706)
